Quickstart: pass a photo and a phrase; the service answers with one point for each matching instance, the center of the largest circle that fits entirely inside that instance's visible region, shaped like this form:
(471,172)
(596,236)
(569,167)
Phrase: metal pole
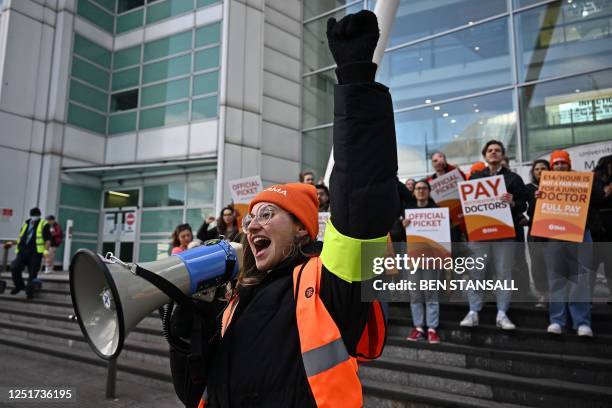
(67,245)
(111,378)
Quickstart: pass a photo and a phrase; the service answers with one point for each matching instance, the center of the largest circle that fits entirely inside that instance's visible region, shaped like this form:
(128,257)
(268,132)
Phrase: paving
(25,369)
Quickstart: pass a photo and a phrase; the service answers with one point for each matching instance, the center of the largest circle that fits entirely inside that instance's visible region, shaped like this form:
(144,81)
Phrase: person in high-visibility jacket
(33,243)
(296,325)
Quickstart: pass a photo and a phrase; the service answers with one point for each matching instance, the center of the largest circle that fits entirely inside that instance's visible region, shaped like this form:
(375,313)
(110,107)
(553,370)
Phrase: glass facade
(534,74)
(167,81)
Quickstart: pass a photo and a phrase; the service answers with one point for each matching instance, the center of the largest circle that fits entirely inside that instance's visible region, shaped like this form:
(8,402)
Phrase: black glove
(352,42)
(353,38)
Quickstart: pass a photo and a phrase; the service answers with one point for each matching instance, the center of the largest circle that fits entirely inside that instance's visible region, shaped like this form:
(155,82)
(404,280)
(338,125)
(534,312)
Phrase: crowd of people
(561,275)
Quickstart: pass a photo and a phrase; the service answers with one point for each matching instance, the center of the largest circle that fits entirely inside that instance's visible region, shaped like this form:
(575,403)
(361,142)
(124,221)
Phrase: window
(566,112)
(124,101)
(126,5)
(121,198)
(164,195)
(459,129)
(465,62)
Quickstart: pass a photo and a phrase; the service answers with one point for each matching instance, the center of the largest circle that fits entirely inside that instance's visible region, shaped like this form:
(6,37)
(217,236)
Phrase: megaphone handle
(165,286)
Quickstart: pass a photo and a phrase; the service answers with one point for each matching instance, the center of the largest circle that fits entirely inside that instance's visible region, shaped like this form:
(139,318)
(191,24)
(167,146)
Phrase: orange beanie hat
(560,156)
(476,167)
(297,198)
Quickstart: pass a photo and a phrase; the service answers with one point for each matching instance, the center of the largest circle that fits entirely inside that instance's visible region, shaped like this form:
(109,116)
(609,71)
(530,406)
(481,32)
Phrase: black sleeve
(204,234)
(46,233)
(363,190)
(519,194)
(363,184)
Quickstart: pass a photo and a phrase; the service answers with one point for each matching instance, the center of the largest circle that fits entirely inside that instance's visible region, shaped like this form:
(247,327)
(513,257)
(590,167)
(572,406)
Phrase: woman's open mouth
(261,244)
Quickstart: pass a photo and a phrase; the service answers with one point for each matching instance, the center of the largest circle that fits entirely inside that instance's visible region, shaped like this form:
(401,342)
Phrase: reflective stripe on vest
(40,242)
(331,372)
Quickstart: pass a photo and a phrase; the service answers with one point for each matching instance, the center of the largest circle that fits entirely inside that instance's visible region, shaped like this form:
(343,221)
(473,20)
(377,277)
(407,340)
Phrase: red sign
(130,218)
(7,212)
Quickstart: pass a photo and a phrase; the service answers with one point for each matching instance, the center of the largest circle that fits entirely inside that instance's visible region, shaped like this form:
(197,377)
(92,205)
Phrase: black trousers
(23,260)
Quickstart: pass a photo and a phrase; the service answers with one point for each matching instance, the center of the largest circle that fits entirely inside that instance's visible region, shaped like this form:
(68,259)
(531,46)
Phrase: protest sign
(445,193)
(428,232)
(243,191)
(561,212)
(486,216)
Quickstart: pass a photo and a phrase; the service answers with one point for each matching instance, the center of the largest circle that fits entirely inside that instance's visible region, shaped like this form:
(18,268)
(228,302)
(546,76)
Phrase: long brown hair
(250,275)
(175,235)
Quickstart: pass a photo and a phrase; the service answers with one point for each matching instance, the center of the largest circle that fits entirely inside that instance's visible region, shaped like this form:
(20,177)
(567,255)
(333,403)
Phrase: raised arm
(364,198)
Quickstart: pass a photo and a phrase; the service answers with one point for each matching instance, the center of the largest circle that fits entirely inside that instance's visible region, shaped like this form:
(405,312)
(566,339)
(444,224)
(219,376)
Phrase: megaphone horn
(111,297)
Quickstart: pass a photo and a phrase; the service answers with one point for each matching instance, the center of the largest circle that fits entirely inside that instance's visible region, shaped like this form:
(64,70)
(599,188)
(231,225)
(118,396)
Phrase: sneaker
(432,336)
(416,335)
(504,322)
(554,328)
(585,331)
(470,320)
(16,290)
(541,304)
(47,270)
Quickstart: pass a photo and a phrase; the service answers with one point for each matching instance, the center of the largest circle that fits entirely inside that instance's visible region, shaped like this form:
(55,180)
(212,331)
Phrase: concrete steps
(45,324)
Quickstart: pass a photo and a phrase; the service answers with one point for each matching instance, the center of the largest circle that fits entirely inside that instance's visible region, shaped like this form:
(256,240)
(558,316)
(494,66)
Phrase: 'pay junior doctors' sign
(486,215)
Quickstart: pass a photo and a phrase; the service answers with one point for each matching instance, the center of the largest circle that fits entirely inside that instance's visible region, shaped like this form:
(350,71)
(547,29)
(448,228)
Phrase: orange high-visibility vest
(331,371)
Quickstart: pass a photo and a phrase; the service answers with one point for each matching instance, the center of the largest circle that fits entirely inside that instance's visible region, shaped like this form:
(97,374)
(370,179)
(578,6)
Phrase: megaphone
(111,297)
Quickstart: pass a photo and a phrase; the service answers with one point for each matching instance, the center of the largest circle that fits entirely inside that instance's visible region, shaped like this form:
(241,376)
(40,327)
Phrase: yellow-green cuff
(342,255)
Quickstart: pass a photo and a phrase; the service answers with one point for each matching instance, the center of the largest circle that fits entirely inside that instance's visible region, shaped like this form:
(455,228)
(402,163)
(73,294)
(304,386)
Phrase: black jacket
(205,234)
(516,187)
(258,361)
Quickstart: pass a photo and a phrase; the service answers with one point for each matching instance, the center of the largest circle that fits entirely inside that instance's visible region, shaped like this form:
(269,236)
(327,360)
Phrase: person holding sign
(424,305)
(569,266)
(444,191)
(296,325)
(496,250)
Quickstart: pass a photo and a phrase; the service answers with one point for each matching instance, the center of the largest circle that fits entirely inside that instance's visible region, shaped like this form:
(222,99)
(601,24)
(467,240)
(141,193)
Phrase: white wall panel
(284,22)
(15,131)
(279,170)
(282,89)
(129,39)
(121,149)
(62,50)
(209,15)
(168,27)
(203,138)
(282,113)
(282,65)
(21,65)
(44,73)
(164,143)
(12,162)
(291,8)
(282,41)
(93,33)
(38,136)
(281,141)
(83,145)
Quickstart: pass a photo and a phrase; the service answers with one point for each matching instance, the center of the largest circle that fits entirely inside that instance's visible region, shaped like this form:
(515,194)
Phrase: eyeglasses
(263,217)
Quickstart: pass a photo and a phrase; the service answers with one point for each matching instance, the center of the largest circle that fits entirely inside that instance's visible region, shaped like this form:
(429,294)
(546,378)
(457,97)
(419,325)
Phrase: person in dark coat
(257,360)
(227,226)
(499,252)
(536,254)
